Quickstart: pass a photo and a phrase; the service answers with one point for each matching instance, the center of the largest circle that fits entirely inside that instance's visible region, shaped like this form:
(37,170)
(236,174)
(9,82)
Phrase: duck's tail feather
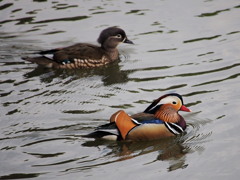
(107,131)
(103,135)
(42,60)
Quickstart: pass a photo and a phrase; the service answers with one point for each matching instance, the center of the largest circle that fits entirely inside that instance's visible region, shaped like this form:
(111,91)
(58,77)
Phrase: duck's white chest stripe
(174,128)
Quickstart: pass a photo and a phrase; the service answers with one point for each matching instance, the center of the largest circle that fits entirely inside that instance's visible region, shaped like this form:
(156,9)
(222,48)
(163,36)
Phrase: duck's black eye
(119,35)
(174,102)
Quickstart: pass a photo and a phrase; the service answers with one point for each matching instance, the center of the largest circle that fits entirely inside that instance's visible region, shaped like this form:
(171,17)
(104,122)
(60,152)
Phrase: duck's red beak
(184,108)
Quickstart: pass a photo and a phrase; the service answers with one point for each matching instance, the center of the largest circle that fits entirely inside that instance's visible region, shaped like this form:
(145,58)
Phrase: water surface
(191,48)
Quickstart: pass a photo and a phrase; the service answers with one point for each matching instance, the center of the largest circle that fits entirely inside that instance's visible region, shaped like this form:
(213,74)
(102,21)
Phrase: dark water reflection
(168,149)
(109,74)
(191,48)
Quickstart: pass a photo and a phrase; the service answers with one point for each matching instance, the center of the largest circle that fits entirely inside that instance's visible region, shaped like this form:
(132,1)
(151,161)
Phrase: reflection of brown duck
(83,55)
(159,120)
(110,74)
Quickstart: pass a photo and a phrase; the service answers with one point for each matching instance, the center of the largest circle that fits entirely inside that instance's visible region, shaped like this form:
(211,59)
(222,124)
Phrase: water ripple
(41,155)
(64,6)
(21,175)
(76,18)
(5,6)
(213,13)
(201,39)
(47,140)
(219,80)
(209,71)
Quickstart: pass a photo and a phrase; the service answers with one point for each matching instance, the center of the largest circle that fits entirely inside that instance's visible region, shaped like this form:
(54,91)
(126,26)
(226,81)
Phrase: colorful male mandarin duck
(159,120)
(84,55)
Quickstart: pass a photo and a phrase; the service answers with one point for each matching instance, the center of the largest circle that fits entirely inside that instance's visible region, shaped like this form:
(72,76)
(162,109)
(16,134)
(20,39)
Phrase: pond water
(188,47)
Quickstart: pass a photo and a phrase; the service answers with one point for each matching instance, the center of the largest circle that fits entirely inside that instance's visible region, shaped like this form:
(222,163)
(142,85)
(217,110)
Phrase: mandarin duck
(159,120)
(84,55)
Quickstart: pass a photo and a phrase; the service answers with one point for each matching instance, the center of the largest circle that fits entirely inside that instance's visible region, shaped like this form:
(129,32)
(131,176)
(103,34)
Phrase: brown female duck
(84,55)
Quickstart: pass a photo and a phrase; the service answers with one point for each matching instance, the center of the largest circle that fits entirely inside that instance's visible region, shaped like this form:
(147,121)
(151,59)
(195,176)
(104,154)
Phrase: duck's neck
(112,53)
(111,50)
(168,114)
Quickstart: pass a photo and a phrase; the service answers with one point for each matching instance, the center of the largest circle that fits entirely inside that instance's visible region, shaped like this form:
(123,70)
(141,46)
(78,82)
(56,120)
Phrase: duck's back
(80,51)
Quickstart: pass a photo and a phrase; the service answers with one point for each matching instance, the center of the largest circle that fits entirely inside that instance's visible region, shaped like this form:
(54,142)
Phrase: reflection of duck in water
(168,149)
(109,74)
(84,55)
(159,120)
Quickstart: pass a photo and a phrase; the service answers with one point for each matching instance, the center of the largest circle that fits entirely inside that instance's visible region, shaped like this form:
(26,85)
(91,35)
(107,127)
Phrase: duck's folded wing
(80,51)
(124,123)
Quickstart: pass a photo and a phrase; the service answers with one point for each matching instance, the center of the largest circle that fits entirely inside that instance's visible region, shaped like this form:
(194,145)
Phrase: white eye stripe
(169,100)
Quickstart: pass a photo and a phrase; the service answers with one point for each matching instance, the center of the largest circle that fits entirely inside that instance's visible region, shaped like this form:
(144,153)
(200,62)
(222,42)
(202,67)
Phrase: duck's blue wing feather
(146,118)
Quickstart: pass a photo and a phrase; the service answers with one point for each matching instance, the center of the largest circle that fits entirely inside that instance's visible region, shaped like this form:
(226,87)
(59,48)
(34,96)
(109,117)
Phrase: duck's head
(172,100)
(166,108)
(112,36)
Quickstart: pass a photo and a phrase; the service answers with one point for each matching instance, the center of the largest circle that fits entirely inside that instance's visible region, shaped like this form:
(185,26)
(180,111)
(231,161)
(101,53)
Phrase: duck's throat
(168,115)
(113,54)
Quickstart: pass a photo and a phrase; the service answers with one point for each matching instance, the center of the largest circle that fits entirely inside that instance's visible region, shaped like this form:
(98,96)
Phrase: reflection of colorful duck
(84,55)
(159,120)
(171,150)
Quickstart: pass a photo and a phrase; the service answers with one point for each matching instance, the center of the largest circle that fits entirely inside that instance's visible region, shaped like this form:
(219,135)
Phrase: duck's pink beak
(184,108)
